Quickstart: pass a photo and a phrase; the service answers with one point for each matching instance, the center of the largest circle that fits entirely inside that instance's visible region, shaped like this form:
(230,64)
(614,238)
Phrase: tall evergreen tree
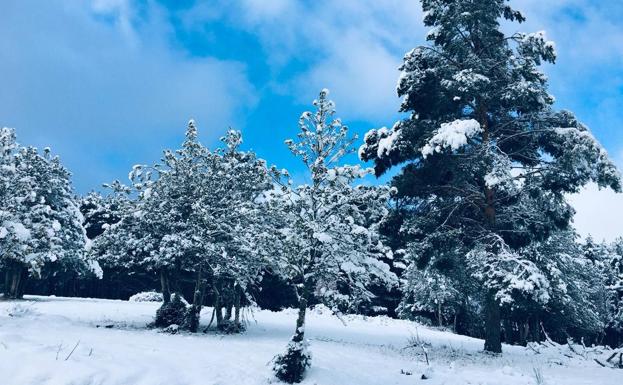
(40,221)
(488,160)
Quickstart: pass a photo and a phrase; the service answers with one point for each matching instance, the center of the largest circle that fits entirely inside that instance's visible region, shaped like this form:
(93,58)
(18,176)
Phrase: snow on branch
(454,135)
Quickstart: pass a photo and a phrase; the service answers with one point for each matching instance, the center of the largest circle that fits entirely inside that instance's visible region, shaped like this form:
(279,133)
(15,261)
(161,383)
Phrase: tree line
(473,232)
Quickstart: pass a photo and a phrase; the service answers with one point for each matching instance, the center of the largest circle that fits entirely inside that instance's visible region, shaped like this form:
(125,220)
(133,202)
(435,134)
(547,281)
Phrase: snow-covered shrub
(20,310)
(171,313)
(146,296)
(231,327)
(429,292)
(171,329)
(290,366)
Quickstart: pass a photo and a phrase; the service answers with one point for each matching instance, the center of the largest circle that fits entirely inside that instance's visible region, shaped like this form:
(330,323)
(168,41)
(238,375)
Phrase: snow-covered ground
(112,346)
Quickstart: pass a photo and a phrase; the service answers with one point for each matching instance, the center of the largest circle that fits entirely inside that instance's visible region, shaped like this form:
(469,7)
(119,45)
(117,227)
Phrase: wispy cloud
(352,47)
(109,83)
(101,84)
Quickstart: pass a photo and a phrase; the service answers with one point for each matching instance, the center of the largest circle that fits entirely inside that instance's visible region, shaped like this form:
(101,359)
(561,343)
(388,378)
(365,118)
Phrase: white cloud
(361,78)
(353,47)
(598,213)
(101,83)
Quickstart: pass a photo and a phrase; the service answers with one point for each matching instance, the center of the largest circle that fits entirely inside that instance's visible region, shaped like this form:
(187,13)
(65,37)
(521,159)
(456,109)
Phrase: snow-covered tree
(40,221)
(327,229)
(612,276)
(195,212)
(101,212)
(488,160)
(568,304)
(431,292)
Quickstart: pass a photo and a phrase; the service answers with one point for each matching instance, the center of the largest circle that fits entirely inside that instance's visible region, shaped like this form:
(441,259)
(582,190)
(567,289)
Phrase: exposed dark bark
(237,301)
(165,285)
(193,317)
(15,280)
(535,329)
(439,314)
(524,330)
(217,304)
(229,311)
(299,333)
(493,341)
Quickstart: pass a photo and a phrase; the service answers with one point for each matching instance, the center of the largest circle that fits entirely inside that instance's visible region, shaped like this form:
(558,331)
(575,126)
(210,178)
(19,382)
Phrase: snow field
(114,347)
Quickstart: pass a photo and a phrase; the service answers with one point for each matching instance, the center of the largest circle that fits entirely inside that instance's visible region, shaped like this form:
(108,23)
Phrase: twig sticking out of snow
(58,351)
(211,320)
(549,340)
(416,342)
(538,376)
(532,346)
(599,362)
(72,350)
(569,343)
(339,316)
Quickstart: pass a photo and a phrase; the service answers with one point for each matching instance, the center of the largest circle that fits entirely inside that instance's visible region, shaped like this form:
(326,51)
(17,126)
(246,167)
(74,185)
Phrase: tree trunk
(217,304)
(492,324)
(535,329)
(524,330)
(165,285)
(493,341)
(195,309)
(15,280)
(299,333)
(439,316)
(237,301)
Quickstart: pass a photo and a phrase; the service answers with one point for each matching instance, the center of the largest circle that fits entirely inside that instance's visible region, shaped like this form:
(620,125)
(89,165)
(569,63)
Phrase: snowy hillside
(37,337)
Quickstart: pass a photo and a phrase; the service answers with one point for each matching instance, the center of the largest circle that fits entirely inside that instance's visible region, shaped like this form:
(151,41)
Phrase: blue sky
(111,83)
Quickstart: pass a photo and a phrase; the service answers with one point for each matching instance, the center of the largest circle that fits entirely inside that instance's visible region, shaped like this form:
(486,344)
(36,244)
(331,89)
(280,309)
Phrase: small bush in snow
(171,313)
(231,327)
(171,329)
(146,296)
(290,366)
(20,310)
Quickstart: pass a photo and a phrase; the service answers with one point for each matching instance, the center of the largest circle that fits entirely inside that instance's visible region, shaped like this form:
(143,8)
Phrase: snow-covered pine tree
(101,212)
(40,221)
(612,276)
(568,303)
(328,236)
(431,292)
(115,250)
(194,213)
(488,160)
(229,214)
